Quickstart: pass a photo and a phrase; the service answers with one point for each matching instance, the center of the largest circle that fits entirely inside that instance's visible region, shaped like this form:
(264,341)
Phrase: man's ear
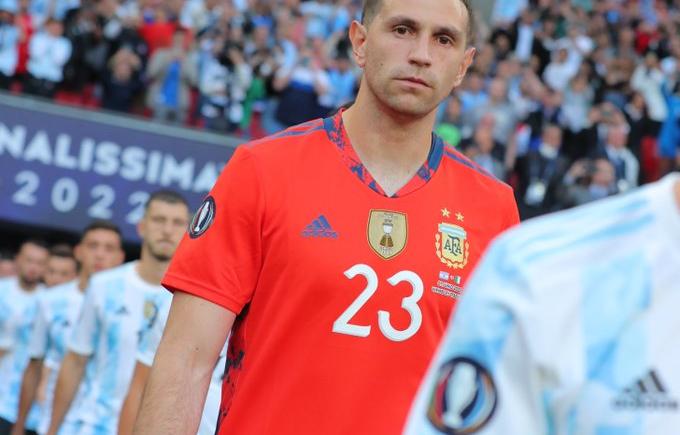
(468,57)
(358,36)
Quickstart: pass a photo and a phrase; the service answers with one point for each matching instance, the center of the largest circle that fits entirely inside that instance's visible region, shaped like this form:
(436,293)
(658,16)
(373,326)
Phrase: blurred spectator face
(60,270)
(100,249)
(162,228)
(55,28)
(453,108)
(343,64)
(562,55)
(638,101)
(651,60)
(7,268)
(603,173)
(617,137)
(261,36)
(409,64)
(498,90)
(474,82)
(5,17)
(484,139)
(31,262)
(552,136)
(122,71)
(179,40)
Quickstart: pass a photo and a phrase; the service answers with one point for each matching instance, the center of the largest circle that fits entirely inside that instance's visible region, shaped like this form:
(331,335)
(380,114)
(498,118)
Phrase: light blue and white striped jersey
(58,310)
(148,345)
(114,312)
(17,313)
(569,326)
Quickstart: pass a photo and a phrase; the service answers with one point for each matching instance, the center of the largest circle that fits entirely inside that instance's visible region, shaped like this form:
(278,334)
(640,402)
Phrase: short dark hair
(372,7)
(6,254)
(62,250)
(167,196)
(35,242)
(101,224)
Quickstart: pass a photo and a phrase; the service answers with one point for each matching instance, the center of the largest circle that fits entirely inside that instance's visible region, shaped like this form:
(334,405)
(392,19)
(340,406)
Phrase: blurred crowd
(569,101)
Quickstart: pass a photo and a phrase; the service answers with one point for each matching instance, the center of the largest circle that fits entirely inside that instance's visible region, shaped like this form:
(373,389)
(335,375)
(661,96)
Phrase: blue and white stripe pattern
(568,326)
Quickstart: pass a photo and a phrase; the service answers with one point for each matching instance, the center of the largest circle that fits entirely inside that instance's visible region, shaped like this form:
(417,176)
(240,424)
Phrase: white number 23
(410,304)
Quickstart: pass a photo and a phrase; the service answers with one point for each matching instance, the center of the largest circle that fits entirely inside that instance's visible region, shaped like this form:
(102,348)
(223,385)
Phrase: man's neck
(25,286)
(677,194)
(83,280)
(150,269)
(390,145)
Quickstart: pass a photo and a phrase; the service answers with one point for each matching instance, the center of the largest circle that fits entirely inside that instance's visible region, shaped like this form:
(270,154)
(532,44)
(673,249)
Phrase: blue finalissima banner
(62,167)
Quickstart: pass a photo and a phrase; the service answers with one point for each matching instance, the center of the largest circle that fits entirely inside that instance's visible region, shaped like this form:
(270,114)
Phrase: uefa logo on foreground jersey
(463,398)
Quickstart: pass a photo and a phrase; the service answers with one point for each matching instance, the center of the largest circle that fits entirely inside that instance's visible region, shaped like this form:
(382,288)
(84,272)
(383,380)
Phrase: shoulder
(102,281)
(57,293)
(567,238)
(288,139)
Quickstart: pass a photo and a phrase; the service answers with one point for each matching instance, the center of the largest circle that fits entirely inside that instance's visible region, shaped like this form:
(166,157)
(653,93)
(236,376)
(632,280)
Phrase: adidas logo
(122,311)
(319,228)
(647,393)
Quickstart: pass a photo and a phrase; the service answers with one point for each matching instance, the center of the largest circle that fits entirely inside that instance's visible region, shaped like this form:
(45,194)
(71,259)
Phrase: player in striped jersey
(18,297)
(568,326)
(119,303)
(100,248)
(148,345)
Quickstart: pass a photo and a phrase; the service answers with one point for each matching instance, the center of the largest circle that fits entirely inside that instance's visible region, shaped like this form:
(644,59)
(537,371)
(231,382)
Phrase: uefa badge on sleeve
(203,218)
(463,398)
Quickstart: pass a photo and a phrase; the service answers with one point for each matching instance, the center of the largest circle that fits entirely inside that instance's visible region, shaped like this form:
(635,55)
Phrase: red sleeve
(220,257)
(511,212)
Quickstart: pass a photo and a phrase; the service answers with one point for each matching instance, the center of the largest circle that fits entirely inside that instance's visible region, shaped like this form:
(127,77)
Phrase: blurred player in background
(148,346)
(100,248)
(569,325)
(17,311)
(119,304)
(61,265)
(6,263)
(340,244)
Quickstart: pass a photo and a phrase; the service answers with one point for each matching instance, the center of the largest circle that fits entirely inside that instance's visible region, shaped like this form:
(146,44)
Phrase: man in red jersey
(334,251)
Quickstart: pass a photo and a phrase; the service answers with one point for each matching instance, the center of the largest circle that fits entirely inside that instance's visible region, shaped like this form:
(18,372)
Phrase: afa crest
(387,233)
(453,247)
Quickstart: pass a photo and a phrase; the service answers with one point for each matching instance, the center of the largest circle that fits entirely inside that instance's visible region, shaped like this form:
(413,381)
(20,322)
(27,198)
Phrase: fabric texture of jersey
(118,306)
(17,313)
(148,345)
(58,310)
(342,293)
(569,326)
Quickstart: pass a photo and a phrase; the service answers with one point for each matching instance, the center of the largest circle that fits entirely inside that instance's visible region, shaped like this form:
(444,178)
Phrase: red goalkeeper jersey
(342,293)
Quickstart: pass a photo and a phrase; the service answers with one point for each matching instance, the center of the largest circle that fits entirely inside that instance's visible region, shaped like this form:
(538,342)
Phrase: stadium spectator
(588,180)
(224,80)
(171,72)
(17,310)
(122,81)
(301,87)
(626,166)
(100,248)
(61,265)
(9,40)
(49,51)
(540,172)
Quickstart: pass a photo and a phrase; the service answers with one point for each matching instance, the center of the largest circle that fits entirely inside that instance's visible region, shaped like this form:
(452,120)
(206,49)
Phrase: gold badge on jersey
(149,310)
(387,232)
(453,247)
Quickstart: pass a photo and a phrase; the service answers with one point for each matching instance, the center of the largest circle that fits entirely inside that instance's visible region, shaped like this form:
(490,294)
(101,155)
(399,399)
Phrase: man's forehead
(440,13)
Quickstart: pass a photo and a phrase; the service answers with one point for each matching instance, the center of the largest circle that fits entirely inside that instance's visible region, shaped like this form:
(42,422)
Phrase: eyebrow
(451,31)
